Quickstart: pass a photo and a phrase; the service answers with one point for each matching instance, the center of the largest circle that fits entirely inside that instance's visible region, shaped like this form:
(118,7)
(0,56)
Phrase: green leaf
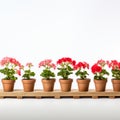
(47,74)
(9,73)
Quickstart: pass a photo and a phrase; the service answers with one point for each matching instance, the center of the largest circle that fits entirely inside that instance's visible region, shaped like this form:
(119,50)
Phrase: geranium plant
(11,67)
(47,72)
(65,67)
(81,70)
(99,70)
(28,73)
(115,69)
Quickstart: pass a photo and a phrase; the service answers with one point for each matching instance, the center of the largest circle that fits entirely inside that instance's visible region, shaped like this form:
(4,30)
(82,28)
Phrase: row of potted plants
(10,67)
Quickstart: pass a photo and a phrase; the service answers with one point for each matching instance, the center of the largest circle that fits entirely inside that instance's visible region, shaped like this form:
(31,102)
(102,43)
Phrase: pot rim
(83,79)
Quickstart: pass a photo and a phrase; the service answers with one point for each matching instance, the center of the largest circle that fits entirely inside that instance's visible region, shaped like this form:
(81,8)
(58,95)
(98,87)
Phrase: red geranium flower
(65,67)
(95,68)
(99,71)
(81,68)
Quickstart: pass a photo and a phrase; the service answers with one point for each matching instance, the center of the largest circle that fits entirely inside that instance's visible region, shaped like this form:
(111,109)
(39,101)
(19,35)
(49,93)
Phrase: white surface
(86,30)
(61,109)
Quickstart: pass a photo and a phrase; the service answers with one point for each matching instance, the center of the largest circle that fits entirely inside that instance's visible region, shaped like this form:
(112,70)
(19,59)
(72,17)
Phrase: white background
(86,30)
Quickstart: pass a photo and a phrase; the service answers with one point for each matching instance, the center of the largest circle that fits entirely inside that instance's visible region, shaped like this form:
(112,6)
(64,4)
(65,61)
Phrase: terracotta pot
(48,85)
(83,85)
(28,85)
(100,85)
(8,85)
(65,84)
(116,85)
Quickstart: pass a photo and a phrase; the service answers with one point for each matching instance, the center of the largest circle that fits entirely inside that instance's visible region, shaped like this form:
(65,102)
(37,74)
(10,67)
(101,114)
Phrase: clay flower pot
(100,72)
(28,85)
(115,70)
(100,85)
(8,85)
(48,85)
(83,85)
(116,84)
(65,84)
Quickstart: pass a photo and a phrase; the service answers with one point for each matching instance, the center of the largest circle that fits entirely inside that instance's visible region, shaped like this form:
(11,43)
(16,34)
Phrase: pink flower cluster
(29,64)
(12,63)
(96,68)
(7,60)
(47,63)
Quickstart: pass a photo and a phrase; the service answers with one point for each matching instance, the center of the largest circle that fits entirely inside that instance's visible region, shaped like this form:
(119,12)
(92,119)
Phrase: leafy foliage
(9,73)
(65,68)
(116,74)
(82,74)
(115,65)
(65,71)
(99,71)
(81,68)
(27,72)
(47,72)
(100,75)
(10,67)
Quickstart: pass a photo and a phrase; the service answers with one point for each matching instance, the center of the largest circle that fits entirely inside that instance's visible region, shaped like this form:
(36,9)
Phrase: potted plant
(48,75)
(10,68)
(81,71)
(27,81)
(65,69)
(100,74)
(115,70)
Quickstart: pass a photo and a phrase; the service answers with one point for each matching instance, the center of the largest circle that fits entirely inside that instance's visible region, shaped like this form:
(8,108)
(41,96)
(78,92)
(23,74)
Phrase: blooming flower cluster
(10,67)
(81,70)
(99,71)
(115,69)
(27,71)
(47,72)
(65,67)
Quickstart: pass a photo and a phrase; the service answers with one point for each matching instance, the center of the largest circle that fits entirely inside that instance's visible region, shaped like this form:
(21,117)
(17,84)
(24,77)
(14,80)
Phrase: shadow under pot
(28,85)
(8,85)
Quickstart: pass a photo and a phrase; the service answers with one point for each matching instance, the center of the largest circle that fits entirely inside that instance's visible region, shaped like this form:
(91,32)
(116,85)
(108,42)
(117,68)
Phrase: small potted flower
(82,71)
(48,75)
(27,77)
(100,74)
(65,69)
(115,70)
(10,68)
